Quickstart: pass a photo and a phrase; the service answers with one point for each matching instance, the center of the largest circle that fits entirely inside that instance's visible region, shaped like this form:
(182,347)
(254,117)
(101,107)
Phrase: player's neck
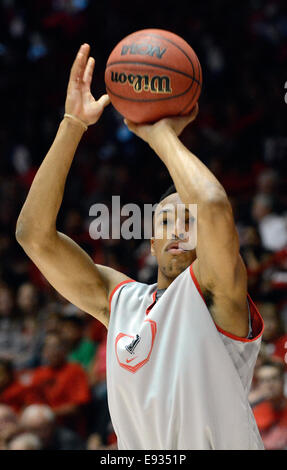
(162,281)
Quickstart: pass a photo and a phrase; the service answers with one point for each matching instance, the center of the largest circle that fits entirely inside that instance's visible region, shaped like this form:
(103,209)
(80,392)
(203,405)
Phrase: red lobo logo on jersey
(133,352)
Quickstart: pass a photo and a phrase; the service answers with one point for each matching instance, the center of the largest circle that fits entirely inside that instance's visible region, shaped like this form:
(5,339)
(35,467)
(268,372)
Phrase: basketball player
(180,353)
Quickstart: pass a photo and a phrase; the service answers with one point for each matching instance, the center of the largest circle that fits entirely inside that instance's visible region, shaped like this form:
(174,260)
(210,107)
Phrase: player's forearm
(193,180)
(39,212)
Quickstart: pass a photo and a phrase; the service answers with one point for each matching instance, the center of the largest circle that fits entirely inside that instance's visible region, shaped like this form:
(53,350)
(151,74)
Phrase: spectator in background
(19,335)
(255,394)
(272,227)
(8,424)
(271,413)
(100,417)
(41,421)
(60,384)
(95,442)
(52,323)
(10,326)
(24,441)
(255,258)
(12,392)
(32,319)
(273,339)
(80,348)
(267,181)
(27,300)
(267,270)
(96,331)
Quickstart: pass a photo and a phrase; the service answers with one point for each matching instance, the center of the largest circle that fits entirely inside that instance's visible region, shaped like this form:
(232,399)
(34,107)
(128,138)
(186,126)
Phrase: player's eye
(190,220)
(164,222)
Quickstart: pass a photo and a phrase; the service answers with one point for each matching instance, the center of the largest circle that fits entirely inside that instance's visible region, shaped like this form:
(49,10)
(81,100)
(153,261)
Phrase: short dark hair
(168,192)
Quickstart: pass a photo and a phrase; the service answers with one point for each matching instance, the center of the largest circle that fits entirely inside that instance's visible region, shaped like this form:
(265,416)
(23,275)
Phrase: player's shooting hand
(80,101)
(149,132)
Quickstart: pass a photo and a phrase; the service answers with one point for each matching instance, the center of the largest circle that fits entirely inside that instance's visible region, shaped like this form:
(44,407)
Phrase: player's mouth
(175,249)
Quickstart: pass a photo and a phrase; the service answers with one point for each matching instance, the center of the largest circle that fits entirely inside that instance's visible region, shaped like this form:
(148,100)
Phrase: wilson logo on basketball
(143,49)
(154,84)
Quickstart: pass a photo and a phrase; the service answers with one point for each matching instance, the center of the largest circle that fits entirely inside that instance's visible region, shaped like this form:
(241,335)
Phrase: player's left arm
(219,268)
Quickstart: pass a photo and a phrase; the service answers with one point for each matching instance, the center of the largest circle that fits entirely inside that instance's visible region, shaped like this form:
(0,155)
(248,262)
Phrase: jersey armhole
(256,319)
(114,291)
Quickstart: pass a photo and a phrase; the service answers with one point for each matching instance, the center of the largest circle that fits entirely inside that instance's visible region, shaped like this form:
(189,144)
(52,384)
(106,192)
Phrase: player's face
(174,239)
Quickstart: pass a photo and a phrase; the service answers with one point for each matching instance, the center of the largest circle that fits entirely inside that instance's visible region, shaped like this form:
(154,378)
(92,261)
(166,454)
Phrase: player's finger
(131,126)
(195,110)
(128,123)
(78,67)
(104,100)
(88,73)
(191,117)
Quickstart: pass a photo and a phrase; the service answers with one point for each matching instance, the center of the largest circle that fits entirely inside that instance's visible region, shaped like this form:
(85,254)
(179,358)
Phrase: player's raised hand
(148,132)
(80,102)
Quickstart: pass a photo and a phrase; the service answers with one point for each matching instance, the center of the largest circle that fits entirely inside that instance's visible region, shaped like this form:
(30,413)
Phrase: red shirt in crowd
(56,387)
(280,349)
(272,424)
(60,387)
(99,367)
(15,396)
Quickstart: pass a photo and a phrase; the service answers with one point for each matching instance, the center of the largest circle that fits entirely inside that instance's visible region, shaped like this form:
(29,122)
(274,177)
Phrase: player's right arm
(62,262)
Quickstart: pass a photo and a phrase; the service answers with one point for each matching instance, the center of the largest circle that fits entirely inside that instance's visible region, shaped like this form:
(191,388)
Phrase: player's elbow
(22,233)
(28,236)
(215,197)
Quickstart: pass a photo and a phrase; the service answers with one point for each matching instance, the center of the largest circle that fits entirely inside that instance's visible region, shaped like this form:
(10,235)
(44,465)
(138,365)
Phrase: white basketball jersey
(176,380)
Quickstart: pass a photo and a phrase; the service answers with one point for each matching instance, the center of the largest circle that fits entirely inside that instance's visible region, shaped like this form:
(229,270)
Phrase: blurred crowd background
(52,356)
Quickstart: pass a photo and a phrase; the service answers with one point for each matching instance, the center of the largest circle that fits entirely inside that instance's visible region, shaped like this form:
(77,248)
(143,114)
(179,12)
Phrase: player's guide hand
(80,101)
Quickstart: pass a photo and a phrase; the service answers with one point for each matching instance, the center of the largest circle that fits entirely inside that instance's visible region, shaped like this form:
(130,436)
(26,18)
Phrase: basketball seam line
(174,44)
(188,104)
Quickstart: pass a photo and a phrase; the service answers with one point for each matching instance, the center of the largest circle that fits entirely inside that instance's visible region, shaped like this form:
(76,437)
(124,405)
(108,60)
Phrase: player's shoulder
(133,287)
(111,277)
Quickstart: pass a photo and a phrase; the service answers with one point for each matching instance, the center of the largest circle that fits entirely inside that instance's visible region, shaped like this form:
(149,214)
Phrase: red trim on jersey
(152,304)
(115,289)
(256,319)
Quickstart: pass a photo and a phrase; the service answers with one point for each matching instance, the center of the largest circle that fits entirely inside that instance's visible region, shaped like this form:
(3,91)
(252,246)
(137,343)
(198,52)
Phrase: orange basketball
(152,74)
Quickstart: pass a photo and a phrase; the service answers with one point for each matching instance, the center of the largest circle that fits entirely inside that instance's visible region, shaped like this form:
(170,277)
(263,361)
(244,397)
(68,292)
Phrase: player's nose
(178,236)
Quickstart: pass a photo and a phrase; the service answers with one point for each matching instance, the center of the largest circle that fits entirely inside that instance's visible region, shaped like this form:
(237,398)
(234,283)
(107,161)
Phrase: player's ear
(152,250)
